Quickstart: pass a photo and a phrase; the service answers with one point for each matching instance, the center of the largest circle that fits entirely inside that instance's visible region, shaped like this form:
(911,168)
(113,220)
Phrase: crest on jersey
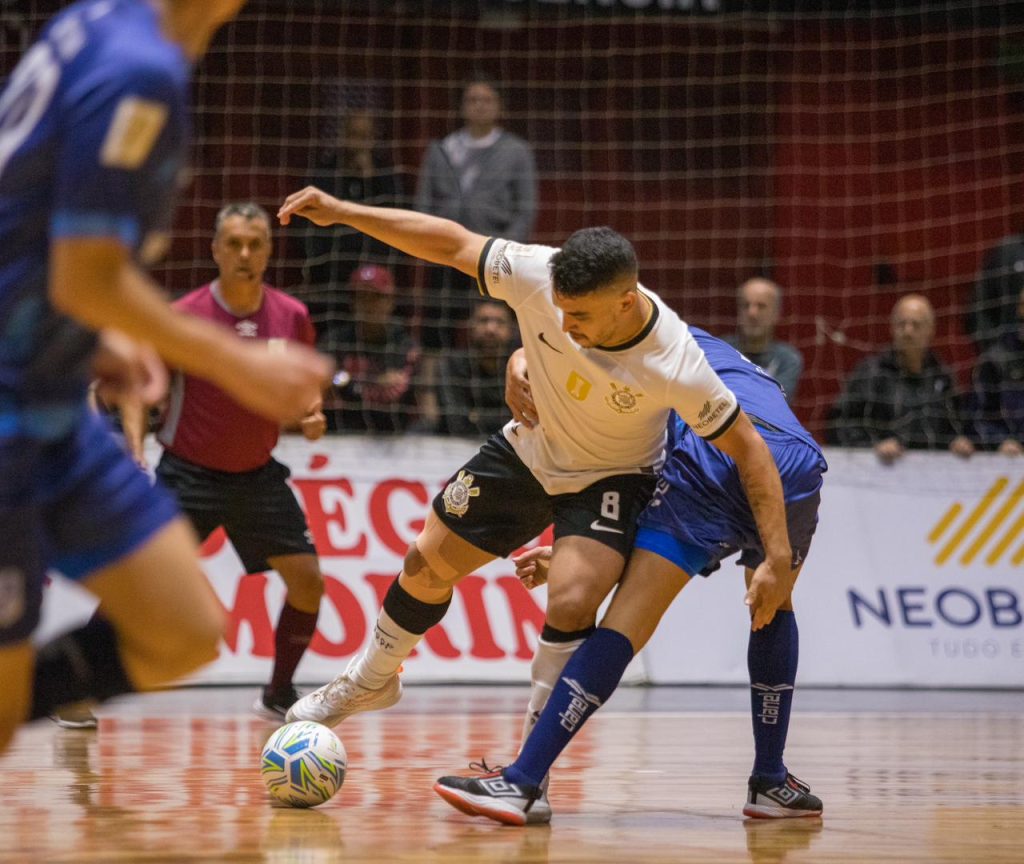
(577,386)
(133,131)
(456,496)
(623,399)
(247,329)
(12,596)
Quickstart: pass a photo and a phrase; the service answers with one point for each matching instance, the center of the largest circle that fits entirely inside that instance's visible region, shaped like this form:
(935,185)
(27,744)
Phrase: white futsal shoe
(343,697)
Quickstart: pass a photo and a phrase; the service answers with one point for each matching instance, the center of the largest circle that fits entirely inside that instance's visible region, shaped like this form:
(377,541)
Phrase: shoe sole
(79,725)
(473,805)
(265,713)
(758,811)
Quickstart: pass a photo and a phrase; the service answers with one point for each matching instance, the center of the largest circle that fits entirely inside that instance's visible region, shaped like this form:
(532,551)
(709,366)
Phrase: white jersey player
(608,362)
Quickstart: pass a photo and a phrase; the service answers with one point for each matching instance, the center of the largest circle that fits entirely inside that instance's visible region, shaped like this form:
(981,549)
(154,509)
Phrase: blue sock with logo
(588,679)
(772,655)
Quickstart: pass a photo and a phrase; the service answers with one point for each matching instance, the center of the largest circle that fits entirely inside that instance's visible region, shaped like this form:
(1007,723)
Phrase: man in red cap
(376,358)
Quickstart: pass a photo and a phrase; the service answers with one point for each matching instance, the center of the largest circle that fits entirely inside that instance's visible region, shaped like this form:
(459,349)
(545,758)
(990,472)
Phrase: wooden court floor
(658,776)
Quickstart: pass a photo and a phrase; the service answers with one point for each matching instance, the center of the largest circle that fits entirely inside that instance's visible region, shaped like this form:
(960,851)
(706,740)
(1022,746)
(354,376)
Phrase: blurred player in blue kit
(94,131)
(699,515)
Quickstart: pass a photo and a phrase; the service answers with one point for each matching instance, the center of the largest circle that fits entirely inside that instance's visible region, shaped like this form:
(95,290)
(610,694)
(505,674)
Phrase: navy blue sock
(771,660)
(589,678)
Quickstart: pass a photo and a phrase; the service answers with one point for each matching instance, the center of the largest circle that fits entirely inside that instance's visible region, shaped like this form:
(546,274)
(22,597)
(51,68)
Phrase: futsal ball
(303,764)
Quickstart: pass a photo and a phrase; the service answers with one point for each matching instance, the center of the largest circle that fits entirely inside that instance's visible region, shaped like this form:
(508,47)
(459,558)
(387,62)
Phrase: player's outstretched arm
(431,238)
(773,580)
(93,281)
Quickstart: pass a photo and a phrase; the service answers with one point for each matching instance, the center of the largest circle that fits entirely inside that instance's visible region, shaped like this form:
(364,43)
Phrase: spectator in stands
(993,310)
(358,169)
(904,397)
(999,390)
(471,390)
(757,312)
(484,178)
(376,359)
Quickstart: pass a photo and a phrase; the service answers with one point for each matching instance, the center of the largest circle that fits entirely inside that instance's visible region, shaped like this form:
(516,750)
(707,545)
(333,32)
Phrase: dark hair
(591,259)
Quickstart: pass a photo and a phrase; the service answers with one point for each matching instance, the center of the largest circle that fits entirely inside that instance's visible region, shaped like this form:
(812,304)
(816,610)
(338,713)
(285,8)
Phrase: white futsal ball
(303,764)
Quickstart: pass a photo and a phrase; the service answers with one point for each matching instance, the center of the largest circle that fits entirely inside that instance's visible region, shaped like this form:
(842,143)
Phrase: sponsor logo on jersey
(456,496)
(623,399)
(136,125)
(540,336)
(710,413)
(247,329)
(577,386)
(501,264)
(12,596)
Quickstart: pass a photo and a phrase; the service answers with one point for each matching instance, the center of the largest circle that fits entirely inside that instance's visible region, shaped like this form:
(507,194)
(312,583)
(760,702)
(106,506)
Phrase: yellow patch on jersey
(136,125)
(577,386)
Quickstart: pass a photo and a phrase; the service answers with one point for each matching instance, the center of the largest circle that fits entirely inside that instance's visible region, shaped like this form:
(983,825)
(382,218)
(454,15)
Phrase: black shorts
(495,503)
(257,508)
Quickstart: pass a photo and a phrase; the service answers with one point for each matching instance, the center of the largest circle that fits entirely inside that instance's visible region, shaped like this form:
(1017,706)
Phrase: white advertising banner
(915,577)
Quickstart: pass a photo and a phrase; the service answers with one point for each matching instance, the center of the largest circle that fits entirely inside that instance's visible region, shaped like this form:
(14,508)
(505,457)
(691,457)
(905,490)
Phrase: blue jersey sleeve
(120,152)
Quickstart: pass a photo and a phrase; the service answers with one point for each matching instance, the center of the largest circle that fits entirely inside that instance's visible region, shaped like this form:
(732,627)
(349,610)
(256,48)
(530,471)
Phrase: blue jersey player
(698,515)
(93,133)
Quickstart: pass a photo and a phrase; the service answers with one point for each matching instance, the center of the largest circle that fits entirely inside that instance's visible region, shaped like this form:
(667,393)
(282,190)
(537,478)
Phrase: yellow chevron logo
(989,515)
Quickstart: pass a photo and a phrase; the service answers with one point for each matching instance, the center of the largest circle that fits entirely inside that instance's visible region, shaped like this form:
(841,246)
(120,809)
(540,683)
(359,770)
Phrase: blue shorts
(699,514)
(75,505)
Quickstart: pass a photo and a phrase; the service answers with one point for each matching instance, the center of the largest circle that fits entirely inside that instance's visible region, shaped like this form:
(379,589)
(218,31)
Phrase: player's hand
(888,450)
(518,395)
(280,385)
(126,369)
(532,566)
(312,204)
(313,425)
(769,589)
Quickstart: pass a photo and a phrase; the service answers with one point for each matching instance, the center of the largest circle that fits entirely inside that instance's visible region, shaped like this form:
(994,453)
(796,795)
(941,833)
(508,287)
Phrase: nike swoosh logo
(545,341)
(597,526)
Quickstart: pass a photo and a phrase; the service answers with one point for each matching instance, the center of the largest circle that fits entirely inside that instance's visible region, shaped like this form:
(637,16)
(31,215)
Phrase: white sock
(548,663)
(388,649)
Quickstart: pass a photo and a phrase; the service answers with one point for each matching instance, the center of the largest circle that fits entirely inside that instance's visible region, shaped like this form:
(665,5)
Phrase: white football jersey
(602,411)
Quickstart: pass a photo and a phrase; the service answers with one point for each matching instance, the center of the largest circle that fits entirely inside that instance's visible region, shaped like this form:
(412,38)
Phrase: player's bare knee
(572,608)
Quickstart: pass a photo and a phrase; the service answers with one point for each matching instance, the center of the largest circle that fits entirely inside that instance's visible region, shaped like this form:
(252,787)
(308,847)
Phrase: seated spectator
(993,310)
(904,397)
(471,390)
(999,391)
(757,312)
(357,169)
(376,359)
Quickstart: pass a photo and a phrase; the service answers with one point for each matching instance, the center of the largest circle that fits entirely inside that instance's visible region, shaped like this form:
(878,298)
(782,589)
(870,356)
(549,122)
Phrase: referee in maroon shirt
(217,454)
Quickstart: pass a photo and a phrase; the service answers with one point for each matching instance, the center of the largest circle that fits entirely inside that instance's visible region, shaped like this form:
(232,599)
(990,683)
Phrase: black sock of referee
(83,664)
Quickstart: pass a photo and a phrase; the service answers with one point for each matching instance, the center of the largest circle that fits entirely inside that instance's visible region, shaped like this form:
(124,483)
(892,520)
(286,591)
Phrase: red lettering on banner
(316,496)
(353,621)
(380,513)
(483,646)
(213,544)
(524,610)
(251,607)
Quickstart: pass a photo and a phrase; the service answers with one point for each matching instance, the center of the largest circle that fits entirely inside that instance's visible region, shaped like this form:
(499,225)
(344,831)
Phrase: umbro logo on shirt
(247,328)
(545,341)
